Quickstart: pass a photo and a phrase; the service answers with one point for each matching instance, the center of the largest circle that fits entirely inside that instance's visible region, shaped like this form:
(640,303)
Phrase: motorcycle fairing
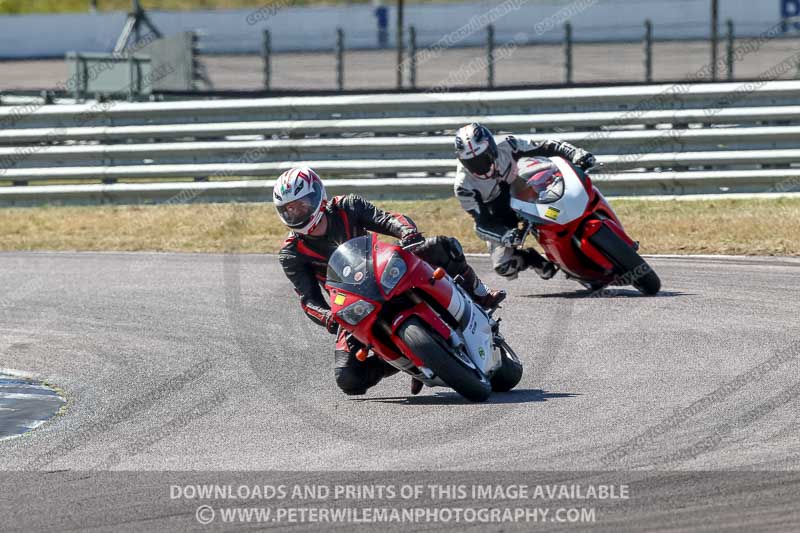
(475,338)
(570,207)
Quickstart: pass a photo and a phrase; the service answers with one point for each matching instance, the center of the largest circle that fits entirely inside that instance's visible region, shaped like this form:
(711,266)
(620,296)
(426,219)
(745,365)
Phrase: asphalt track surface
(204,362)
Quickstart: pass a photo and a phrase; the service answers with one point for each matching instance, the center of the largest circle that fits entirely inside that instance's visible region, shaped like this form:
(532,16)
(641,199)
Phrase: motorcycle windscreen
(544,182)
(350,269)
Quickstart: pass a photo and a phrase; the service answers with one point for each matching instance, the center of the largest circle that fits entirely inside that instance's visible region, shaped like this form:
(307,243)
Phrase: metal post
(132,88)
(412,56)
(340,59)
(399,44)
(714,37)
(648,50)
(266,53)
(80,77)
(568,52)
(729,54)
(490,54)
(199,72)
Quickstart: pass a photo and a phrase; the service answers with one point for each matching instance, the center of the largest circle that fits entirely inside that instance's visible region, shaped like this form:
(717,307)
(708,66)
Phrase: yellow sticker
(552,213)
(339,300)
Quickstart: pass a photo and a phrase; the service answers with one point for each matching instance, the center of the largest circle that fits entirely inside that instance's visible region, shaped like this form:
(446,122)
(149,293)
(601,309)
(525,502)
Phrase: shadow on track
(606,293)
(452,398)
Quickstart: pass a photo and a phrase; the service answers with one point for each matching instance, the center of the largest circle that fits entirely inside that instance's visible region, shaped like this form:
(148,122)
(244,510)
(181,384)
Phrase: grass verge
(746,227)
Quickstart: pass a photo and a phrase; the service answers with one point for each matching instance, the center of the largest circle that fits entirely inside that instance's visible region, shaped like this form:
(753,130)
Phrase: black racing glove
(584,159)
(412,240)
(330,323)
(512,237)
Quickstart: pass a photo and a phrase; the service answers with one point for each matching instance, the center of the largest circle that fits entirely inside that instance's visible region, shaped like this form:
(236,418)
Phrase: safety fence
(652,139)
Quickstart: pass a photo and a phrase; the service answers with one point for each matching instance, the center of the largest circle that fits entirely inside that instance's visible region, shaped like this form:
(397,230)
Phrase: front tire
(633,269)
(509,374)
(469,383)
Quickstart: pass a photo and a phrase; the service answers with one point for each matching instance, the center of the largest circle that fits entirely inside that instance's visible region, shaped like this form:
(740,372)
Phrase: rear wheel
(633,269)
(510,372)
(468,382)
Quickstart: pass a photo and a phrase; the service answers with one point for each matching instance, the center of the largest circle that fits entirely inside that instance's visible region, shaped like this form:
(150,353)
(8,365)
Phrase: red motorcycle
(576,226)
(418,319)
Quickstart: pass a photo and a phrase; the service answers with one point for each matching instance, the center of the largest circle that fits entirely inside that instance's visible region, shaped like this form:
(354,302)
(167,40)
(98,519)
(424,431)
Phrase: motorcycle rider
(484,173)
(318,226)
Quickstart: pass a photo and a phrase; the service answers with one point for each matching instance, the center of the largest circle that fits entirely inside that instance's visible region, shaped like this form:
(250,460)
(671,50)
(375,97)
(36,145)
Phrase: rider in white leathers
(484,173)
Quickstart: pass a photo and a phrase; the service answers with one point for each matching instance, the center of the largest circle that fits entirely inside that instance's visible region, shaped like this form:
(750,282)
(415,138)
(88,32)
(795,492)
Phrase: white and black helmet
(476,149)
(300,199)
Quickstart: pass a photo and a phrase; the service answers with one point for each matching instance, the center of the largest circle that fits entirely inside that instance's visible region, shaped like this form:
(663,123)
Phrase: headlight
(395,270)
(355,312)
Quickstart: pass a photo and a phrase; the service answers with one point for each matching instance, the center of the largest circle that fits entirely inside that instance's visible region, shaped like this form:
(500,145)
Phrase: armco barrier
(699,138)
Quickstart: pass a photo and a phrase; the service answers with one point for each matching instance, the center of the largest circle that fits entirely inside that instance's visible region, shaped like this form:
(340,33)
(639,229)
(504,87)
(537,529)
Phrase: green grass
(747,227)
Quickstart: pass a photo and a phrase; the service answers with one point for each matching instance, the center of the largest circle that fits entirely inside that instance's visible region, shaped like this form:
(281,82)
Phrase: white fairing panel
(478,341)
(457,305)
(571,205)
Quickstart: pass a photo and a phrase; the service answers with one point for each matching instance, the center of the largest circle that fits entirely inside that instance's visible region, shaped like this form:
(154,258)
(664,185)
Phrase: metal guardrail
(545,122)
(641,184)
(624,149)
(478,103)
(379,167)
(652,139)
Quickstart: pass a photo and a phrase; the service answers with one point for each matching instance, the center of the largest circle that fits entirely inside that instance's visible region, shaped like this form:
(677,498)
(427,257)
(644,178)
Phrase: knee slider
(509,269)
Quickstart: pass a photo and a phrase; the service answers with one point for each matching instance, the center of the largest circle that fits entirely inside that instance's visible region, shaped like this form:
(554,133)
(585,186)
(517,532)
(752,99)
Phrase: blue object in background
(382,14)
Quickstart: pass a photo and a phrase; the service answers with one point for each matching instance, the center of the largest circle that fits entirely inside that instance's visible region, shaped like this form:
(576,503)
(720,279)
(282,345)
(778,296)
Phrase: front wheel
(633,269)
(468,382)
(510,372)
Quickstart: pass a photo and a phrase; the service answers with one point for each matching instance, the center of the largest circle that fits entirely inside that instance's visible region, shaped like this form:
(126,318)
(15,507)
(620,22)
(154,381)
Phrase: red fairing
(427,314)
(590,228)
(568,244)
(418,275)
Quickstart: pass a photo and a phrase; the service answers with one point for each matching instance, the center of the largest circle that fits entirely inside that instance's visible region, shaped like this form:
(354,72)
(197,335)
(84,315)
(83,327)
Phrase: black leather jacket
(305,259)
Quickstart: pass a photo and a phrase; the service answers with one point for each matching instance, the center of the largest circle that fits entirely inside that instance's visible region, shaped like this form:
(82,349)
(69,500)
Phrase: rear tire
(633,269)
(469,383)
(509,374)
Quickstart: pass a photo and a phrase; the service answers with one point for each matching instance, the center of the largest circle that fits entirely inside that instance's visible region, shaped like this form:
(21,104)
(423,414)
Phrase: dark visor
(296,214)
(480,164)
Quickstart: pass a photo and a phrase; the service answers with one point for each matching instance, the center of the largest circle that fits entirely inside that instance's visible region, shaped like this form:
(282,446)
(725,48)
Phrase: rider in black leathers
(304,259)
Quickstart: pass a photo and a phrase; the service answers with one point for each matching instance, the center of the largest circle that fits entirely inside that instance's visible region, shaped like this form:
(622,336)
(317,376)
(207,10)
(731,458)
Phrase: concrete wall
(313,28)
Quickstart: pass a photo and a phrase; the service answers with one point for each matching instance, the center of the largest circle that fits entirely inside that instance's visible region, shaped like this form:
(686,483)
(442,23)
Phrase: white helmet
(300,199)
(477,150)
